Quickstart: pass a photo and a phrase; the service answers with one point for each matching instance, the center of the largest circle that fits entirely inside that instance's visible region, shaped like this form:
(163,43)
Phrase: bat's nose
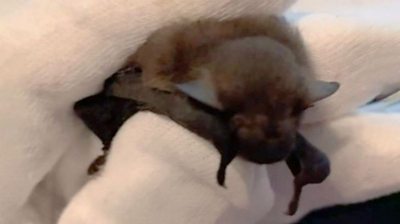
(272,131)
(267,155)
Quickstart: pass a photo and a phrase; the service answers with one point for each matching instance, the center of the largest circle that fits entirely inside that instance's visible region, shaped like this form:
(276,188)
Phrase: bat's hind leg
(96,165)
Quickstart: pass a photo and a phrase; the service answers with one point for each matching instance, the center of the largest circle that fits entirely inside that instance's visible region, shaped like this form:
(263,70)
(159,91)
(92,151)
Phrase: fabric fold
(158,172)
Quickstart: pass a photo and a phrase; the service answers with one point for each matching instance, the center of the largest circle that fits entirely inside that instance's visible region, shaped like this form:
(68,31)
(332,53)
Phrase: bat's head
(261,85)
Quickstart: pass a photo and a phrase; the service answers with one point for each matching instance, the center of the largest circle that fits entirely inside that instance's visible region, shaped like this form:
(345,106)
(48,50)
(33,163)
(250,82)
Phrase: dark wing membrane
(104,115)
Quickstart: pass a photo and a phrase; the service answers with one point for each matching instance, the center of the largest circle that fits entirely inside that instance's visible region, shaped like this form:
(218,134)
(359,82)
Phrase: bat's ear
(320,90)
(201,89)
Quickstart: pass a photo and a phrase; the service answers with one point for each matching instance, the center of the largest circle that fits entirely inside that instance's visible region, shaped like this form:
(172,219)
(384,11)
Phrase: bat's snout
(268,153)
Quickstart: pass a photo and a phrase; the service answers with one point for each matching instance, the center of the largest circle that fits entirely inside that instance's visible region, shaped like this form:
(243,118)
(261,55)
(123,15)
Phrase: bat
(308,164)
(252,68)
(104,114)
(245,83)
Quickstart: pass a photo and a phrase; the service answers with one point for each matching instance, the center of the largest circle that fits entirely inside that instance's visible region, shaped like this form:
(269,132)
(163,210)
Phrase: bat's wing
(105,114)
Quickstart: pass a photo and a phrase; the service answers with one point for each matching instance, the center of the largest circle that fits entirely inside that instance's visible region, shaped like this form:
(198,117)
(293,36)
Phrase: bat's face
(261,84)
(265,122)
(266,137)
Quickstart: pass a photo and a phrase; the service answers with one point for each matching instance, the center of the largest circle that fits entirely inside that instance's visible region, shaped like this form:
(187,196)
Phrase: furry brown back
(172,51)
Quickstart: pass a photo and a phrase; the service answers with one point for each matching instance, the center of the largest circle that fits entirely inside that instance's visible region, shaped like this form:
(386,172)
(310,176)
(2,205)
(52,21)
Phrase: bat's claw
(221,178)
(95,166)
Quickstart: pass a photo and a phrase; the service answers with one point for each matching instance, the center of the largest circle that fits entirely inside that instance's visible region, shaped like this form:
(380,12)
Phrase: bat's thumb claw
(221,178)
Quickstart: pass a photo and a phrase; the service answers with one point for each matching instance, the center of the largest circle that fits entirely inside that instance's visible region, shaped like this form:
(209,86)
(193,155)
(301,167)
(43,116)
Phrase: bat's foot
(96,164)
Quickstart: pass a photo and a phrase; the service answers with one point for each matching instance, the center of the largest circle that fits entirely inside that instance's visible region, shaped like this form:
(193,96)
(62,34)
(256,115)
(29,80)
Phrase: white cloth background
(55,52)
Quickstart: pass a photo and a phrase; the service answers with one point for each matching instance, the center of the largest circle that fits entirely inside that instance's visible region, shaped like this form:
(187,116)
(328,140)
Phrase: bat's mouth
(268,154)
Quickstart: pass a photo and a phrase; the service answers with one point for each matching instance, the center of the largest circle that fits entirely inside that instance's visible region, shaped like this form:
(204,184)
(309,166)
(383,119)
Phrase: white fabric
(168,175)
(365,155)
(361,53)
(54,53)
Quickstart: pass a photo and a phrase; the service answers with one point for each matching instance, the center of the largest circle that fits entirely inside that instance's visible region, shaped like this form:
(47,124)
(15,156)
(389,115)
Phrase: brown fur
(258,66)
(259,74)
(307,163)
(173,51)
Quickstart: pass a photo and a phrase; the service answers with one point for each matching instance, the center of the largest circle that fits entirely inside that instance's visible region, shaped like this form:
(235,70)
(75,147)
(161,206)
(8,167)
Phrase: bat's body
(253,68)
(307,163)
(173,53)
(242,83)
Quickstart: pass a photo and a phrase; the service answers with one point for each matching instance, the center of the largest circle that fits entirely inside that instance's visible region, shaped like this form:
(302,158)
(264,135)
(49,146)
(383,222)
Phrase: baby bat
(254,69)
(307,163)
(104,114)
(253,76)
